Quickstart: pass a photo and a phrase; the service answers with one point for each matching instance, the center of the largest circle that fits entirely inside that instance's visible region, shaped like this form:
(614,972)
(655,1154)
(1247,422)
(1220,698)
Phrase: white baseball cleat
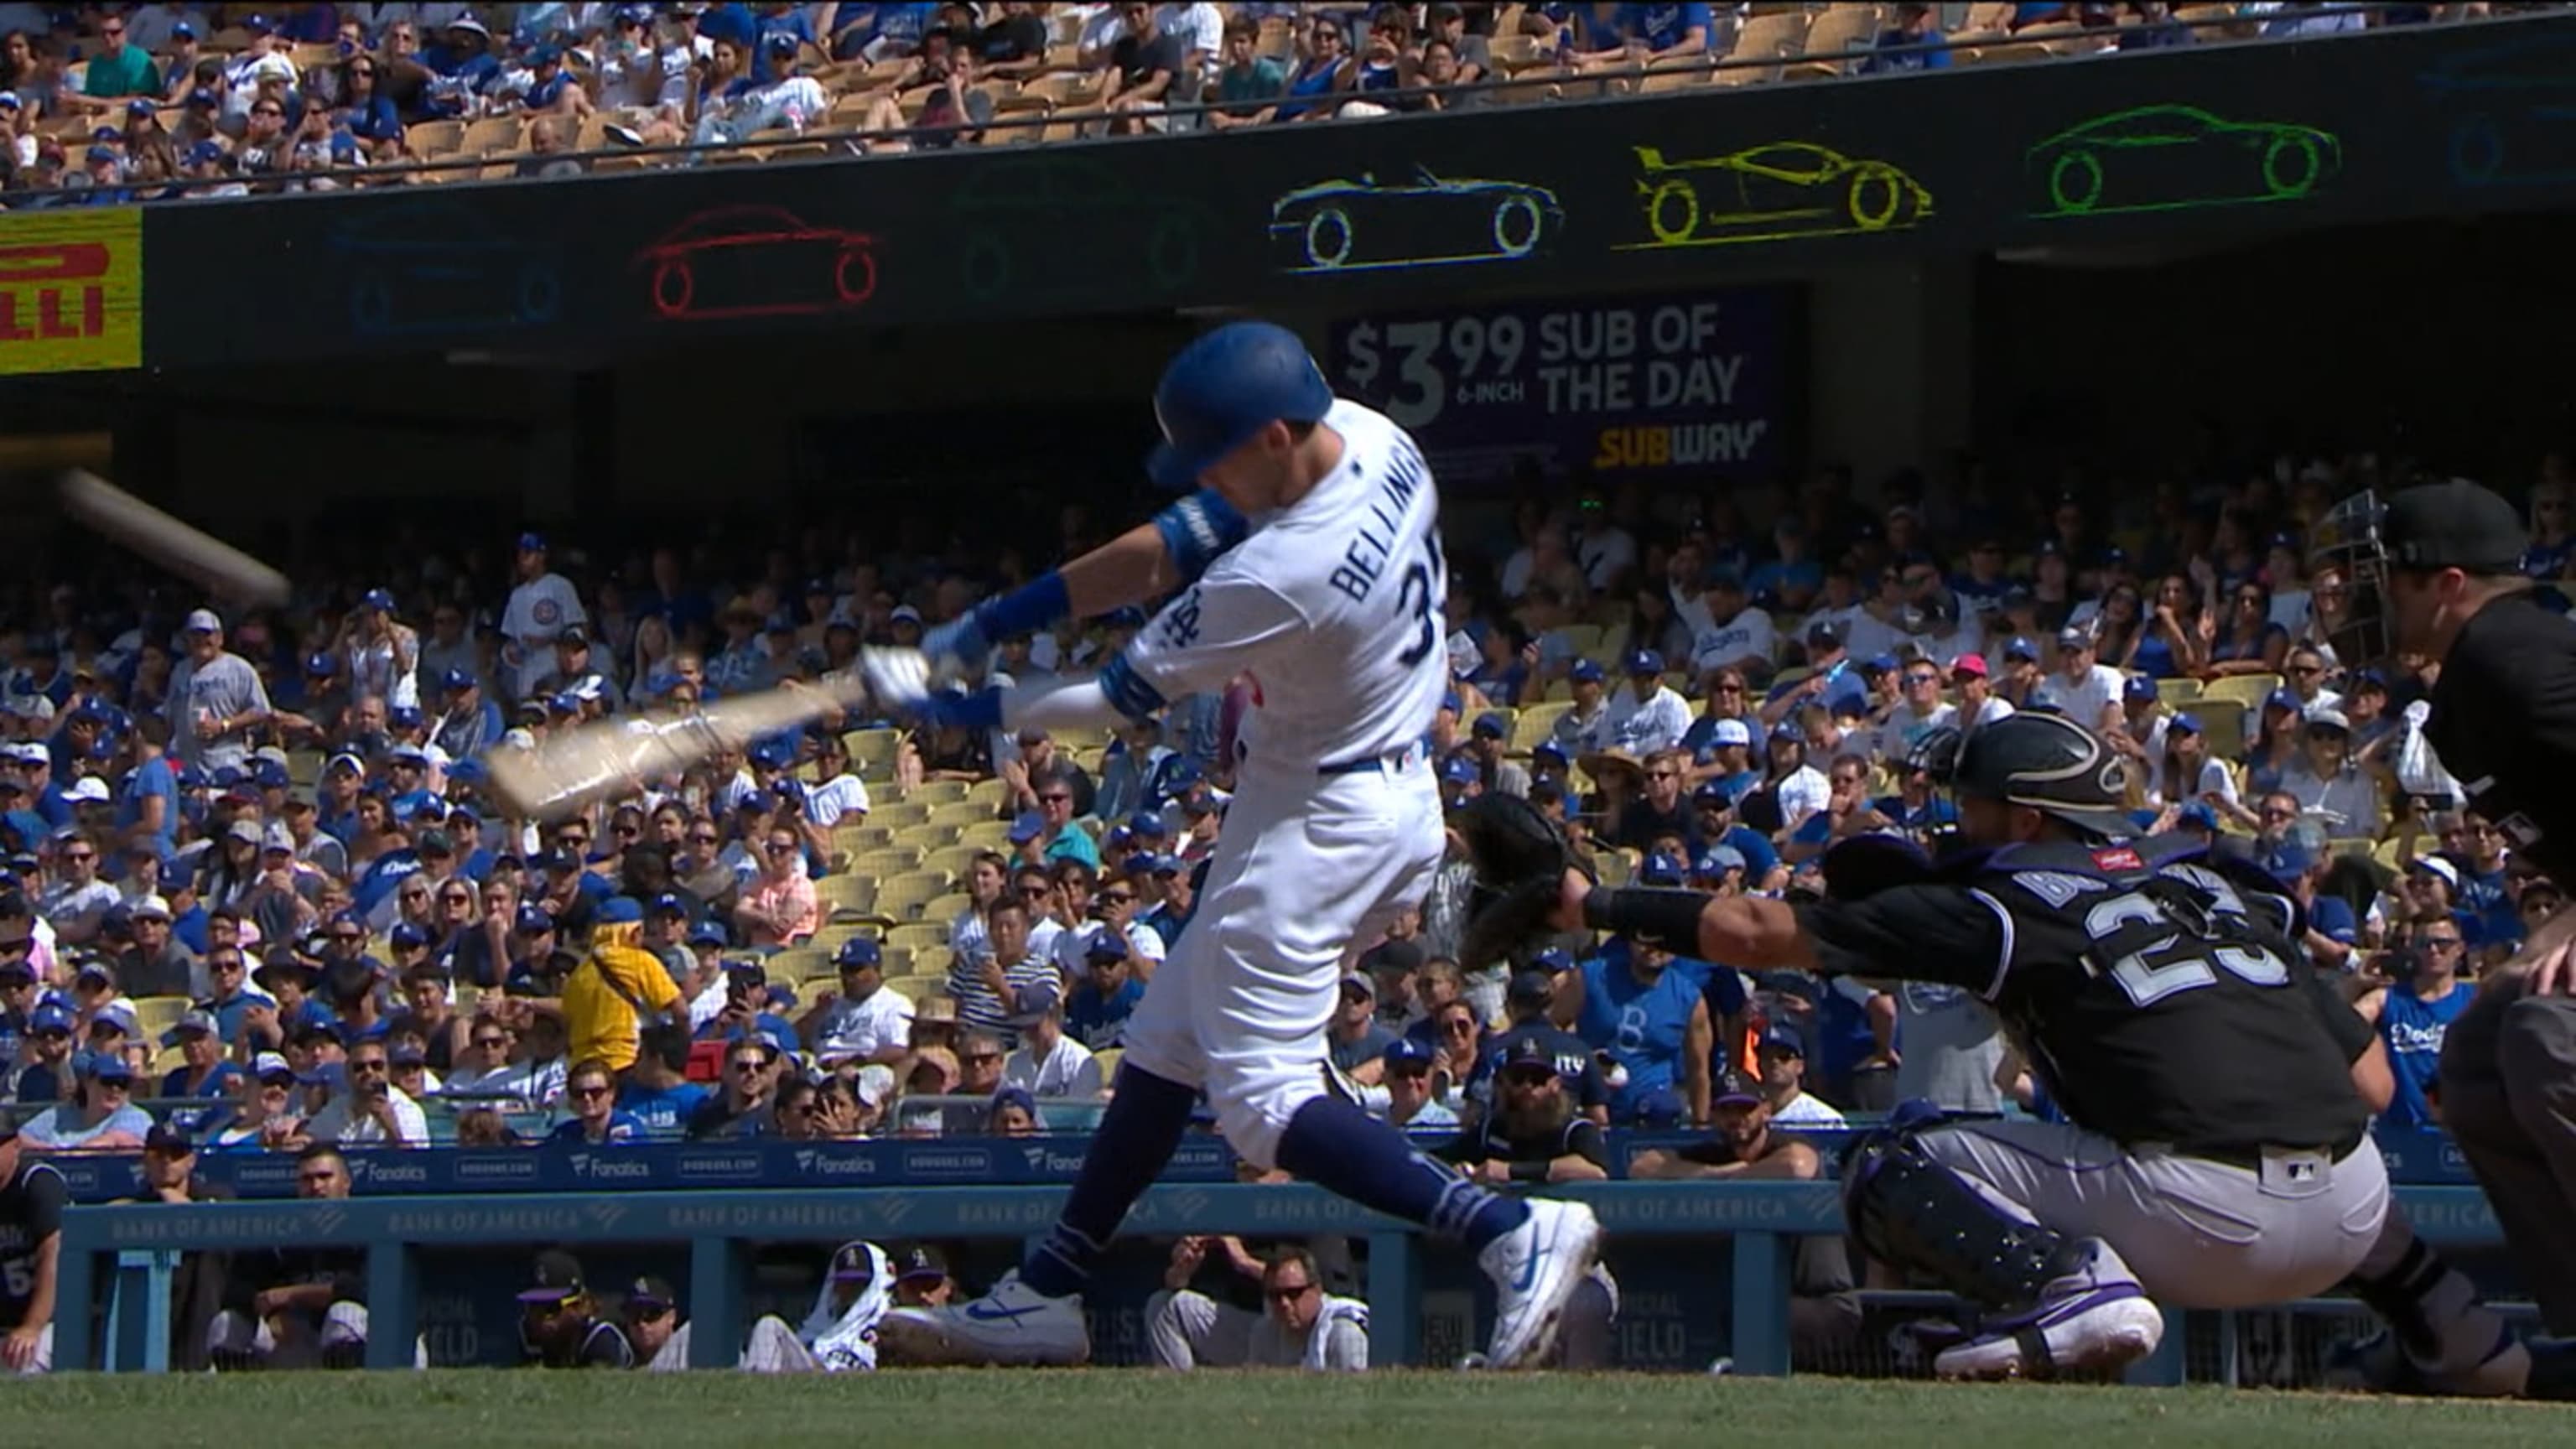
(2093,1326)
(1536,1268)
(1011,1325)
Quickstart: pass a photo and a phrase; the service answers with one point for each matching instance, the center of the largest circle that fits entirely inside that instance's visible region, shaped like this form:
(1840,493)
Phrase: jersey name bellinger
(1365,557)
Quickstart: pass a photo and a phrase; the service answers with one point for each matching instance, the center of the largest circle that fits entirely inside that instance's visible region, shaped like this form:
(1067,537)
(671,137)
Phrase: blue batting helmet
(1224,388)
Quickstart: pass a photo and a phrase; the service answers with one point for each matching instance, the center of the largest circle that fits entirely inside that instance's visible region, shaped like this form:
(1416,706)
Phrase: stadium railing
(141,1248)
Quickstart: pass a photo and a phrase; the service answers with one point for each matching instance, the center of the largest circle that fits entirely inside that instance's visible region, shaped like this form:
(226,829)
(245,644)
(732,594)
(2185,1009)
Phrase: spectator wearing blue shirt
(1651,1014)
(1659,32)
(590,1090)
(148,800)
(1915,42)
(2414,1012)
(47,1077)
(657,1091)
(202,1073)
(1097,1011)
(230,998)
(776,21)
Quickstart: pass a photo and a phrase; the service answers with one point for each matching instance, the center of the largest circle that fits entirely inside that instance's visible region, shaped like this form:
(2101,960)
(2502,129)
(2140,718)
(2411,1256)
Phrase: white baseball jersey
(538,611)
(1333,606)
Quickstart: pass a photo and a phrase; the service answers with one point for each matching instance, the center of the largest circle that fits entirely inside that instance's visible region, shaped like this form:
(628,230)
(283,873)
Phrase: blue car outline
(1319,227)
(2498,94)
(418,243)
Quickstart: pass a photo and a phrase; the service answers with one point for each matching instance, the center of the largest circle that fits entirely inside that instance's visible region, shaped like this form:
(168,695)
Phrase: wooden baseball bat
(615,757)
(182,548)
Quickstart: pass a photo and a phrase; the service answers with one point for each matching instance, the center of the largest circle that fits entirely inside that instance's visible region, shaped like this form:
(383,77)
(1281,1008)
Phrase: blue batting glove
(960,641)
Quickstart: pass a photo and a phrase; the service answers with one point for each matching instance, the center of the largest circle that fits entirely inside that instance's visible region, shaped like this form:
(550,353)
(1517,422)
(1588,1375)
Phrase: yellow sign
(71,290)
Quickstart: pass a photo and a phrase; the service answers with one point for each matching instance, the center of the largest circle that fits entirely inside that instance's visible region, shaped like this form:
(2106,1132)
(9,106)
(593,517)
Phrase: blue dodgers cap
(533,920)
(2021,648)
(773,754)
(856,952)
(2185,723)
(1459,770)
(1717,860)
(708,933)
(456,679)
(2139,687)
(532,543)
(1587,671)
(1644,661)
(1105,948)
(1550,750)
(1408,1051)
(2197,813)
(1028,827)
(406,935)
(1661,870)
(2282,699)
(1491,726)
(1147,825)
(619,911)
(380,600)
(1224,388)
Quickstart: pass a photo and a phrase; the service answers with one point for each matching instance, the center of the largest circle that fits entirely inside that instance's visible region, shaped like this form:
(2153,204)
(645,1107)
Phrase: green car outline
(2070,171)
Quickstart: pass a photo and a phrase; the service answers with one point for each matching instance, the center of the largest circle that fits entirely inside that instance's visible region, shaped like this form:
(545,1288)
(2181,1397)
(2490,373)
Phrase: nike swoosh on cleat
(986,1313)
(1529,1267)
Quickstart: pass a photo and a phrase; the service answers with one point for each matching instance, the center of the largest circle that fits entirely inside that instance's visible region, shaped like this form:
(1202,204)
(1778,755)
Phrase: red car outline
(674,284)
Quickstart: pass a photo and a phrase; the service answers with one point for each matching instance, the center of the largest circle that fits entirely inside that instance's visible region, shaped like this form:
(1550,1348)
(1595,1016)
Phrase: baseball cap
(2453,524)
(619,911)
(704,933)
(918,1260)
(170,1139)
(1587,671)
(1459,770)
(1734,1089)
(1824,634)
(1717,860)
(651,1294)
(1731,732)
(407,936)
(532,920)
(105,1067)
(1782,1039)
(150,908)
(202,621)
(1662,870)
(2139,687)
(1553,961)
(1490,726)
(1879,664)
(528,542)
(2282,699)
(558,1277)
(2436,866)
(1106,947)
(2332,719)
(1359,982)
(857,953)
(1224,388)
(1148,825)
(1973,665)
(1409,1051)
(1643,661)
(1526,1050)
(1533,985)
(52,1016)
(191,1023)
(666,904)
(2074,636)
(1027,827)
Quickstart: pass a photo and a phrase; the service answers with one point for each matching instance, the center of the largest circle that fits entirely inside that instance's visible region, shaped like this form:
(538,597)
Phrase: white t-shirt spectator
(1802,792)
(1748,634)
(1073,943)
(2085,700)
(1904,727)
(1602,553)
(1198,26)
(842,795)
(343,1124)
(1068,1071)
(1996,707)
(1643,726)
(648,80)
(864,1028)
(2215,779)
(967,938)
(2347,805)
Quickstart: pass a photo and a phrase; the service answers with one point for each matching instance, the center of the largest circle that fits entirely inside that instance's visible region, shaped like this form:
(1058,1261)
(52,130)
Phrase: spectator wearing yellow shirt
(610,995)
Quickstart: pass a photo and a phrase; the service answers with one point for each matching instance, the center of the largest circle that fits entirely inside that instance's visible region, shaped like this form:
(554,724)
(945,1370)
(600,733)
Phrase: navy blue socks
(1337,1146)
(1137,1135)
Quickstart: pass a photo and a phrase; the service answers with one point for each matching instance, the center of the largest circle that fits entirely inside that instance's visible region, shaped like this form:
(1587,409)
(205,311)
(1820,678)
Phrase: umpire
(2435,572)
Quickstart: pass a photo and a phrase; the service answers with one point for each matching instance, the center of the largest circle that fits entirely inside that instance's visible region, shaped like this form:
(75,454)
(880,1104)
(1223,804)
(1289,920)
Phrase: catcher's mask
(2347,544)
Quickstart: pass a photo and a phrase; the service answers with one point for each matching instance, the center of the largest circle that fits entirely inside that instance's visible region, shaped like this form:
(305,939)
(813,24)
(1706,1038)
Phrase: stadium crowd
(258,893)
(113,104)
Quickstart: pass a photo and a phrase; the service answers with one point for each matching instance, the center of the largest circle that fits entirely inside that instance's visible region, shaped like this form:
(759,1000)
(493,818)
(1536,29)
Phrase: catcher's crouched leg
(1910,1211)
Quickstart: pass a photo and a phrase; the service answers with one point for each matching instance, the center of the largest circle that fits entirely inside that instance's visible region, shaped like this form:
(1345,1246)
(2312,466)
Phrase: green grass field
(488,1409)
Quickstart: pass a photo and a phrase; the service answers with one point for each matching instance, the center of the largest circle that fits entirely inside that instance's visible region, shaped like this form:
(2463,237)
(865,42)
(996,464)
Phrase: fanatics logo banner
(71,291)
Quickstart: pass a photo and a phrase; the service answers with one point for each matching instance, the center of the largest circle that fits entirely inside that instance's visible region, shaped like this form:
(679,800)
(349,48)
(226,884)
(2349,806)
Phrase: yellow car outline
(1875,196)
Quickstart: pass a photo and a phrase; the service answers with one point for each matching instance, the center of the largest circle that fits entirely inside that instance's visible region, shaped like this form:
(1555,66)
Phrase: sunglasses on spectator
(278,111)
(590,1091)
(1117,898)
(1288,1292)
(457,898)
(1666,774)
(708,838)
(492,1041)
(1056,798)
(1033,892)
(1730,686)
(2304,669)
(367,1064)
(2441,943)
(746,1064)
(983,1056)
(1920,678)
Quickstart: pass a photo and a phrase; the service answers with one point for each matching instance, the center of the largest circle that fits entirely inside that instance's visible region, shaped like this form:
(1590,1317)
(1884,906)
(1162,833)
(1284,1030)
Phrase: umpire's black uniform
(2504,724)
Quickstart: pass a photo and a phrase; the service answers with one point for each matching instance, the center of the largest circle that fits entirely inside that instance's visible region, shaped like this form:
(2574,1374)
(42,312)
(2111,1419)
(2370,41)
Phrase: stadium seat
(902,897)
(900,813)
(935,793)
(859,839)
(492,134)
(1761,45)
(989,793)
(888,860)
(154,1015)
(914,935)
(956,860)
(964,813)
(850,891)
(872,751)
(930,961)
(2223,728)
(435,138)
(2245,689)
(1109,1058)
(2177,693)
(989,835)
(1585,639)
(1839,28)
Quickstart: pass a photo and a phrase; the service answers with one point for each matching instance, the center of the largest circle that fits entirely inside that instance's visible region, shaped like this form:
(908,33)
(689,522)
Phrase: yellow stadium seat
(872,751)
(156,1014)
(963,813)
(1616,867)
(855,892)
(1535,723)
(2245,689)
(889,860)
(2177,693)
(903,896)
(1090,758)
(956,860)
(1557,691)
(945,909)
(795,964)
(989,793)
(928,838)
(1586,638)
(1839,28)
(1109,1057)
(917,934)
(931,960)
(2343,845)
(935,793)
(897,962)
(860,839)
(900,813)
(990,835)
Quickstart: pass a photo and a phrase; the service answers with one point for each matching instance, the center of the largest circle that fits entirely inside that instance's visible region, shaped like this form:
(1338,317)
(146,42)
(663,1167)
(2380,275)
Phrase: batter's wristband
(1027,609)
(1669,919)
(1198,528)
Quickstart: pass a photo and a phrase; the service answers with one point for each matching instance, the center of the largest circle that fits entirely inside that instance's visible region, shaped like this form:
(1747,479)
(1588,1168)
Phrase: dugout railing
(129,1255)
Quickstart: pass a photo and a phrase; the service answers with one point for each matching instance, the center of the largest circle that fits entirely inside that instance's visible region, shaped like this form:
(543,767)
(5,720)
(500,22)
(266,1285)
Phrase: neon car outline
(990,260)
(1876,196)
(734,230)
(2071,175)
(1326,236)
(416,242)
(2522,128)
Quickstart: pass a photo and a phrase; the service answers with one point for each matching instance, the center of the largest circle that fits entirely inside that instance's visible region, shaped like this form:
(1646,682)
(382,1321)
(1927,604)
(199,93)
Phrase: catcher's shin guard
(1908,1210)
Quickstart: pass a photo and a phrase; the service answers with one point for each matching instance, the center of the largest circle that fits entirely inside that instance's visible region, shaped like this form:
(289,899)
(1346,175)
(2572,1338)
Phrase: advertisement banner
(71,290)
(1683,385)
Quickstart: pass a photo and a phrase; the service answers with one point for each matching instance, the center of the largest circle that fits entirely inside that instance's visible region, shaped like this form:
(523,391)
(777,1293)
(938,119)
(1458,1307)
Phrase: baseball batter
(2217,1154)
(1332,603)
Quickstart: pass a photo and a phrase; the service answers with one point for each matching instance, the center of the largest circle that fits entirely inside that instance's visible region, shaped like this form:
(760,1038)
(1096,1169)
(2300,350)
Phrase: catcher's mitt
(1521,859)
